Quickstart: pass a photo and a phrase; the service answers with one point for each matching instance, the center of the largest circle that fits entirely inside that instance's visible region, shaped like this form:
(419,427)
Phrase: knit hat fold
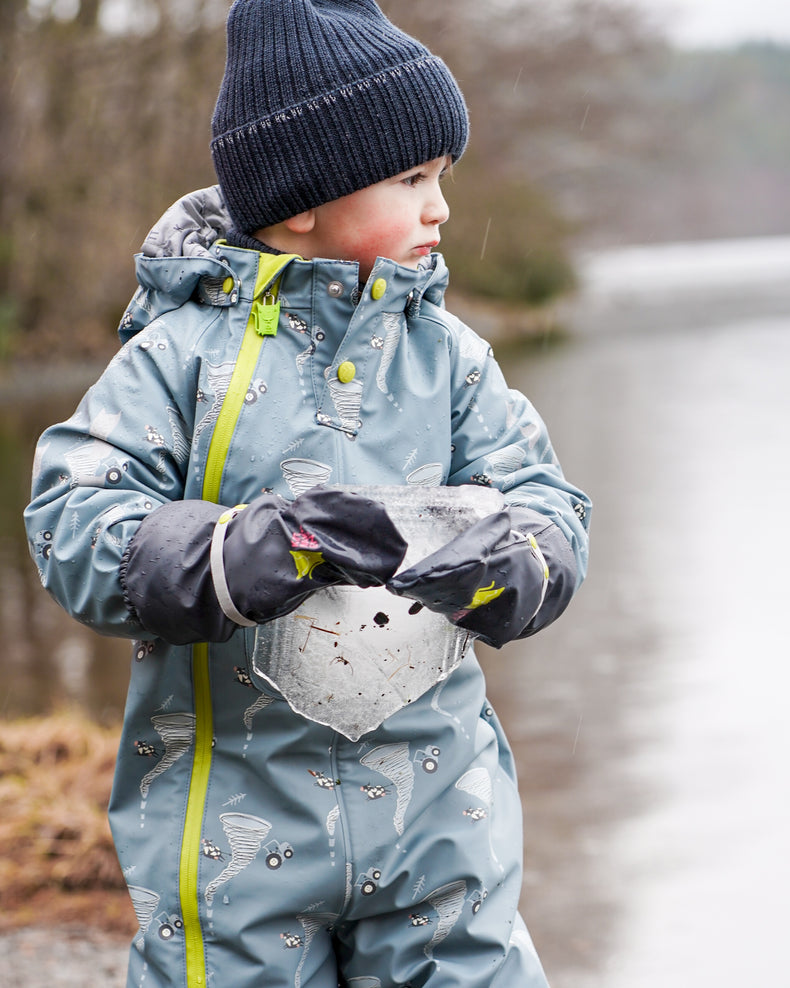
(321,98)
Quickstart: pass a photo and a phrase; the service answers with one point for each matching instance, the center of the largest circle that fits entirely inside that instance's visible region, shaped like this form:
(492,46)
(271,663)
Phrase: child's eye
(414,179)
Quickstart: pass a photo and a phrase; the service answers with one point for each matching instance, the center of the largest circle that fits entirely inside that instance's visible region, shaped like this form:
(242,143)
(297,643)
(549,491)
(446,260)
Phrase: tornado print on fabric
(347,399)
(428,475)
(506,461)
(301,475)
(477,783)
(246,835)
(261,703)
(393,323)
(144,903)
(448,901)
(181,448)
(393,762)
(177,732)
(312,923)
(219,381)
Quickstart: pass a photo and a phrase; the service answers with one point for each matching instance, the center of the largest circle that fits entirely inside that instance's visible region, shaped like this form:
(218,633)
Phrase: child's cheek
(388,237)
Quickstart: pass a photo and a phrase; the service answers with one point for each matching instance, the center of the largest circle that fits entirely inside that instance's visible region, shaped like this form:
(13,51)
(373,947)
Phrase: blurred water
(649,723)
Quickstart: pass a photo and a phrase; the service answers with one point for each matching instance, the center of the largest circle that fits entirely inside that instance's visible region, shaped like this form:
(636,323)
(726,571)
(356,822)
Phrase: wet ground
(63,957)
(649,723)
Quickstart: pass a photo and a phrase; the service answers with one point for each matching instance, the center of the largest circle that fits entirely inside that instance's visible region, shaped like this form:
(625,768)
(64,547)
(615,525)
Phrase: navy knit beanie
(321,98)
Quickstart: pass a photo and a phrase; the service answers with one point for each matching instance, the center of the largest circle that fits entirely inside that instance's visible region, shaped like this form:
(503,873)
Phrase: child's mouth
(426,249)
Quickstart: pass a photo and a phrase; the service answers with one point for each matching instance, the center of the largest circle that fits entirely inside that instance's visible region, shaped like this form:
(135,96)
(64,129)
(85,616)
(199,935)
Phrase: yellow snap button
(346,372)
(378,289)
(228,285)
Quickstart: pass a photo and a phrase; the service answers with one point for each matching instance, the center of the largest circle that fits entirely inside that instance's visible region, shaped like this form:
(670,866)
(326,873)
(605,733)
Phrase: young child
(288,341)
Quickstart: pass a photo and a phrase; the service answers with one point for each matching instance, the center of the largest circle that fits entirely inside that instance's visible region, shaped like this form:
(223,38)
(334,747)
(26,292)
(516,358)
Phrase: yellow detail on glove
(484,595)
(230,514)
(306,561)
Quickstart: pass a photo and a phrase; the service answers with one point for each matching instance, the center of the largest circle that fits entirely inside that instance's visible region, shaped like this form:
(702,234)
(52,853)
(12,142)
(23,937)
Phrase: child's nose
(436,209)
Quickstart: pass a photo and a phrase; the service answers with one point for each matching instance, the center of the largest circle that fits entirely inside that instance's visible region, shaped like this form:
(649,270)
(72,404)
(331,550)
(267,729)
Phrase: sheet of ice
(349,658)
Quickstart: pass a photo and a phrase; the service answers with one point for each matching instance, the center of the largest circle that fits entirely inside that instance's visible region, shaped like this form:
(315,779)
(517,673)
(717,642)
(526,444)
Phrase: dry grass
(57,862)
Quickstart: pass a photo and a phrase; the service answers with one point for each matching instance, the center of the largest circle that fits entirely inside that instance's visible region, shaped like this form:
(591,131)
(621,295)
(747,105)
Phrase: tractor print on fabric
(95,463)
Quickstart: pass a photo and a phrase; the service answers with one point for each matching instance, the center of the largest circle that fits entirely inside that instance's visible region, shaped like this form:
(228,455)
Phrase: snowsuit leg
(397,857)
(444,849)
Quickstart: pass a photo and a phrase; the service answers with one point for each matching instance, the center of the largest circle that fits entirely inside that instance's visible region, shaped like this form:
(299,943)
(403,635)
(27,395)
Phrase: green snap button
(378,289)
(228,285)
(346,372)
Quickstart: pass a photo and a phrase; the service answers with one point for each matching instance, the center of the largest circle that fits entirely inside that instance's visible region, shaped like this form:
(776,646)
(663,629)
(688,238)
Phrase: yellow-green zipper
(193,820)
(259,325)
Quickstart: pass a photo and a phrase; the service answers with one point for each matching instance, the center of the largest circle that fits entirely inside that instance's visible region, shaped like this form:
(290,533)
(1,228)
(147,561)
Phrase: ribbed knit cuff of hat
(321,99)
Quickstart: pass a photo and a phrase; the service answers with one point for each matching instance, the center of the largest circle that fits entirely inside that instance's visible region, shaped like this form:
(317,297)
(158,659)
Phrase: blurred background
(620,232)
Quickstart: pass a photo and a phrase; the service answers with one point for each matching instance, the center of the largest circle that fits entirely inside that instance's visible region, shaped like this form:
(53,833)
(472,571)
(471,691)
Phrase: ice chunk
(349,658)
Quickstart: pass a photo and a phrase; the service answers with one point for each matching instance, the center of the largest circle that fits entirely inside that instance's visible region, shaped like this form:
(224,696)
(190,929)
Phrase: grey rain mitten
(504,578)
(195,571)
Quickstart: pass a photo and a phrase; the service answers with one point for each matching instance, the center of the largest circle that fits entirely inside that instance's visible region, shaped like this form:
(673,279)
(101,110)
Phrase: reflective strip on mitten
(218,569)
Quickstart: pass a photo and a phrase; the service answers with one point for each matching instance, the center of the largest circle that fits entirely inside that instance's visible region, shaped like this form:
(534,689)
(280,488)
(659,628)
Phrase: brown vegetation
(58,864)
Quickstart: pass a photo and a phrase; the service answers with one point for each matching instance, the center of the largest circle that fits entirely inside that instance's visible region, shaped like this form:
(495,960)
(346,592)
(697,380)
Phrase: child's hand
(276,553)
(196,572)
(491,579)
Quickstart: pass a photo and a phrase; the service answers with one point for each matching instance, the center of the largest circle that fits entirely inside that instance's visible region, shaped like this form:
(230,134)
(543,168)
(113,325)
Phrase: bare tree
(100,132)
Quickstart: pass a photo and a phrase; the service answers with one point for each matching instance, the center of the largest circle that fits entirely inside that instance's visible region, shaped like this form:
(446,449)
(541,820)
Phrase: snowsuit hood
(181,257)
(176,256)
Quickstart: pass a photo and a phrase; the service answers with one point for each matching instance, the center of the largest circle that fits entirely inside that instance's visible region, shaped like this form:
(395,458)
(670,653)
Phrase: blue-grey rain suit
(261,848)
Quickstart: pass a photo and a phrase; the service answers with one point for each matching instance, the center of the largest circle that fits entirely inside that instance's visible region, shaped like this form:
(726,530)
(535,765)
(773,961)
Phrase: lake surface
(649,723)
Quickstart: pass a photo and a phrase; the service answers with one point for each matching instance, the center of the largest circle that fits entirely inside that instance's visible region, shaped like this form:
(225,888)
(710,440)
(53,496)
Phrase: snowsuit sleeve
(500,440)
(124,453)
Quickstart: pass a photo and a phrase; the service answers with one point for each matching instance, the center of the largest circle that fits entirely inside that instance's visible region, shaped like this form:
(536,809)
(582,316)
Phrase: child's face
(398,218)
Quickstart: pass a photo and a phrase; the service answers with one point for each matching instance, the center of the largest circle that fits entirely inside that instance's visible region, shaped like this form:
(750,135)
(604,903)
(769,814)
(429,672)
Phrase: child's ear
(301,223)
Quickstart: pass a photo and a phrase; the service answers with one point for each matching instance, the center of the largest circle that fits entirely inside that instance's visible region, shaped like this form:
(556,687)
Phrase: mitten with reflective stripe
(195,571)
(497,579)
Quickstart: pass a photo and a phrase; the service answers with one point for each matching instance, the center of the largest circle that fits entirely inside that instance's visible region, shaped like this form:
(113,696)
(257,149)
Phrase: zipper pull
(266,315)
